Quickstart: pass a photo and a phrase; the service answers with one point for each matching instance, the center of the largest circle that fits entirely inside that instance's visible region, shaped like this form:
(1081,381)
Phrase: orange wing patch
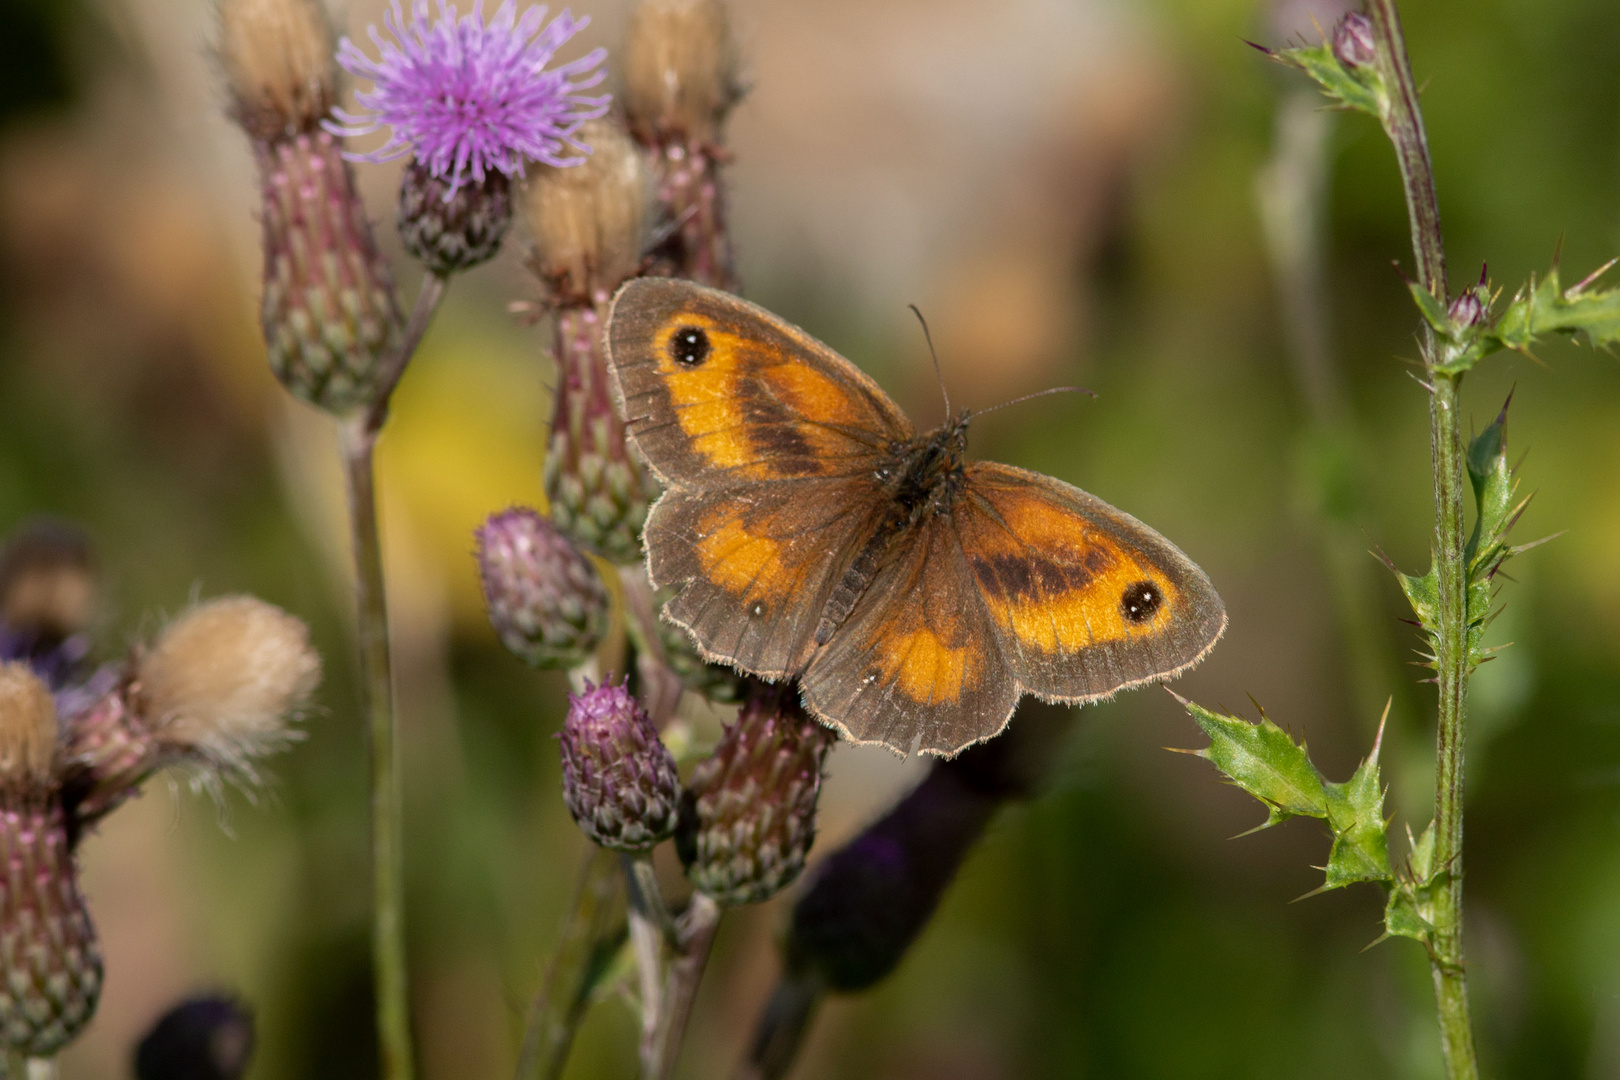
(928,670)
(1058,586)
(705,400)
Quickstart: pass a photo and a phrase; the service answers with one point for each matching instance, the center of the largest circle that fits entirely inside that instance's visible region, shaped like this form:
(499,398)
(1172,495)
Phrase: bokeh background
(1067,188)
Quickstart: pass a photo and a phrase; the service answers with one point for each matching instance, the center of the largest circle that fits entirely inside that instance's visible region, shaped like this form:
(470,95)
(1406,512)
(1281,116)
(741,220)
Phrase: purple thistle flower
(466,98)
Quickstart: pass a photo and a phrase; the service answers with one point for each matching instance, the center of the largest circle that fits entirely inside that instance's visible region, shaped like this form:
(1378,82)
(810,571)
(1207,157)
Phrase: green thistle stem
(1404,124)
(695,932)
(359,441)
(593,931)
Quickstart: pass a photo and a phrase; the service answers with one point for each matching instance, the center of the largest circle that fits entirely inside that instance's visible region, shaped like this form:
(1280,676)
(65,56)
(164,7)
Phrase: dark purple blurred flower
(466,98)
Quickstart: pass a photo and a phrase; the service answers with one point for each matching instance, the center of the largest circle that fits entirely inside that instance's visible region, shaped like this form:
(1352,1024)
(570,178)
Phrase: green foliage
(1264,760)
(1360,87)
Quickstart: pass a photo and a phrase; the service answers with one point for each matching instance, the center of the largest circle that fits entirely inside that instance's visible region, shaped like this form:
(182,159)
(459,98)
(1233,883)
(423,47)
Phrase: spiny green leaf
(1356,816)
(1262,760)
(1360,88)
(1545,308)
(1423,593)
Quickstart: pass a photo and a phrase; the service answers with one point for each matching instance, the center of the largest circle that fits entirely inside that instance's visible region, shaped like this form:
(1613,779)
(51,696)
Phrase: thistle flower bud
(590,220)
(47,581)
(277,56)
(1467,310)
(748,815)
(546,600)
(453,229)
(680,68)
(1355,43)
(202,1038)
(215,689)
(329,310)
(619,779)
(28,729)
(222,679)
(599,492)
(47,943)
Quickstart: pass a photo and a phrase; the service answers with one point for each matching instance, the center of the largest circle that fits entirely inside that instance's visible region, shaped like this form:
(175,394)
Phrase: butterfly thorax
(922,478)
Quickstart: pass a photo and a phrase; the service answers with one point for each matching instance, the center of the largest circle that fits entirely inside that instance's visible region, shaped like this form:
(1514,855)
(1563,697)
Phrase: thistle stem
(359,442)
(695,933)
(1403,122)
(651,928)
(593,930)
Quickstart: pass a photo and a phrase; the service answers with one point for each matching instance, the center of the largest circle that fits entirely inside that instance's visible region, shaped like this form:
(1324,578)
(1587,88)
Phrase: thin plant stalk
(651,930)
(359,442)
(593,930)
(695,931)
(1405,128)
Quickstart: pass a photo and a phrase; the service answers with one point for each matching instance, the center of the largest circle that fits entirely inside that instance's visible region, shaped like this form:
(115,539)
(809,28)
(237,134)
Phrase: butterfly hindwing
(717,391)
(1085,599)
(918,655)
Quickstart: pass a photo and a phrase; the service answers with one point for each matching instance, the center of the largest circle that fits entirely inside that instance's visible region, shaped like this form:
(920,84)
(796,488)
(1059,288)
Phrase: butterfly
(810,533)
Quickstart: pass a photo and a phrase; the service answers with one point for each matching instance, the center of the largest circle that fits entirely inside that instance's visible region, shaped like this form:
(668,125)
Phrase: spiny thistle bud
(590,221)
(329,310)
(680,68)
(619,780)
(748,815)
(450,232)
(546,600)
(1467,310)
(680,83)
(277,56)
(48,953)
(598,490)
(1355,43)
(216,689)
(47,581)
(202,1038)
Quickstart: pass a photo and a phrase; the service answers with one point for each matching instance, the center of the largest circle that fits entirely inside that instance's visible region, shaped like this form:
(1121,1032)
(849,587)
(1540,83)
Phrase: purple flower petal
(464,97)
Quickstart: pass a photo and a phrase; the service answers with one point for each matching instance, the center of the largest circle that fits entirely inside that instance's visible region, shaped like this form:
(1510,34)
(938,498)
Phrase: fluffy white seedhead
(27,727)
(224,678)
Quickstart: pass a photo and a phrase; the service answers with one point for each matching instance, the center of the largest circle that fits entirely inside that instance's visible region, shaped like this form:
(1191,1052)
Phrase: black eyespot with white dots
(1140,600)
(689,345)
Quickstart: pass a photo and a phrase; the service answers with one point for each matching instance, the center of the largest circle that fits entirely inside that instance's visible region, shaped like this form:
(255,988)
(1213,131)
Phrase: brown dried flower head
(277,55)
(221,680)
(47,580)
(590,220)
(27,728)
(680,68)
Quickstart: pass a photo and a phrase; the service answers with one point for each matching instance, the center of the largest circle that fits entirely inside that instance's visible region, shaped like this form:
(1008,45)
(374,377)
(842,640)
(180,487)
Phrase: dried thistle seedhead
(47,580)
(221,680)
(680,68)
(590,220)
(27,728)
(277,55)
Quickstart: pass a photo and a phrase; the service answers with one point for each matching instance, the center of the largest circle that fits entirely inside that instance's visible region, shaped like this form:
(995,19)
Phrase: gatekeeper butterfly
(812,534)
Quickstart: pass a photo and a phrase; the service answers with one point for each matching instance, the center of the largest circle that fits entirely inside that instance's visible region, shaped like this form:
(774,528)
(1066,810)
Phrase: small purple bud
(748,816)
(1467,310)
(449,232)
(1354,42)
(619,779)
(545,598)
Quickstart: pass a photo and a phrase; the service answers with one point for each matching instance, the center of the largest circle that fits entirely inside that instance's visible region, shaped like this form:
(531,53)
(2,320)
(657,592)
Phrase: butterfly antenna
(1039,393)
(946,394)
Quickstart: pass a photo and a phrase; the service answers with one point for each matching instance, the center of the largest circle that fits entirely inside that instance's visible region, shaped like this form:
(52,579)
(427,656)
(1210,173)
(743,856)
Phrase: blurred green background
(1067,188)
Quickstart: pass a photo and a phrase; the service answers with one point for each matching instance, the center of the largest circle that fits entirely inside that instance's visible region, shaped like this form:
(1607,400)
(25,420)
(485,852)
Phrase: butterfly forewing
(1085,599)
(717,391)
